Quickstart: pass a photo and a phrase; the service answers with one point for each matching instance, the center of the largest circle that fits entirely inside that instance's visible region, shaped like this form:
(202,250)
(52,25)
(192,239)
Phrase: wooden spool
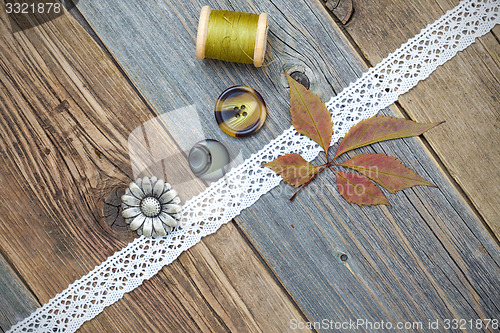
(260,36)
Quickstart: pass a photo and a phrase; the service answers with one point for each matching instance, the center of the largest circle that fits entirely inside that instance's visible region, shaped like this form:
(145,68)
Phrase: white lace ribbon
(222,201)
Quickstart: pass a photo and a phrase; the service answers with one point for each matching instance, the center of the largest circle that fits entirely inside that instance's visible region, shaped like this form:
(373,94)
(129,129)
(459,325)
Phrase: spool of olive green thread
(232,36)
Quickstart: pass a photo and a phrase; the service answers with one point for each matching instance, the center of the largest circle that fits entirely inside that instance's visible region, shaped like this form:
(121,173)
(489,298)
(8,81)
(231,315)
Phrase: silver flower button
(151,207)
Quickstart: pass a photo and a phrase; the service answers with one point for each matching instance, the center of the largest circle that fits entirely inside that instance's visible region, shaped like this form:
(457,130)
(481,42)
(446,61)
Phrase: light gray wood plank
(427,257)
(16,300)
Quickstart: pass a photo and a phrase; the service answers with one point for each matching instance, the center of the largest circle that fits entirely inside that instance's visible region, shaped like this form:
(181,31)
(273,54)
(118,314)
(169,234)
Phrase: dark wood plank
(427,257)
(66,113)
(464,93)
(16,300)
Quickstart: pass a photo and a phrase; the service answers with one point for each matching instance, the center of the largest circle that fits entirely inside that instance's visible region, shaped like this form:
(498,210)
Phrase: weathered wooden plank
(464,93)
(66,113)
(16,301)
(427,257)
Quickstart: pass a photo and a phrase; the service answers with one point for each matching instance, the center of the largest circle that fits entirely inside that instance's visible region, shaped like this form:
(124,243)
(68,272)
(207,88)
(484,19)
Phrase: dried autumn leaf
(359,190)
(294,169)
(309,114)
(376,129)
(387,171)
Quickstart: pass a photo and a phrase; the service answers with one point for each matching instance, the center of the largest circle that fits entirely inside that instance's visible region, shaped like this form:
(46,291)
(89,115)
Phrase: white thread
(204,214)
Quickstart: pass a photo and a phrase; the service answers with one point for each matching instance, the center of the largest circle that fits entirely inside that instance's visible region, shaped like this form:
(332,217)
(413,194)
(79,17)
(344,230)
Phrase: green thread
(231,36)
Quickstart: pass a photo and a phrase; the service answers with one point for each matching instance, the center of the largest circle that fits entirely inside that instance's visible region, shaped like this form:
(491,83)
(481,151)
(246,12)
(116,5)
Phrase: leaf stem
(330,164)
(324,167)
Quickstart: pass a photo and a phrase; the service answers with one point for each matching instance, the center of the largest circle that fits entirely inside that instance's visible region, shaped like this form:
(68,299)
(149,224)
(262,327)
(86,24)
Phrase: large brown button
(240,111)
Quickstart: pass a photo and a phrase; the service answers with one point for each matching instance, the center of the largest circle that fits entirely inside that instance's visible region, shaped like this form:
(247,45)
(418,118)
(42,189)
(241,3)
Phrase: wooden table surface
(74,88)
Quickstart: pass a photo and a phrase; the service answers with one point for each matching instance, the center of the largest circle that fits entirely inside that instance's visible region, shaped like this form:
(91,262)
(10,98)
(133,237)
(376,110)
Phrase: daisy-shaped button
(151,207)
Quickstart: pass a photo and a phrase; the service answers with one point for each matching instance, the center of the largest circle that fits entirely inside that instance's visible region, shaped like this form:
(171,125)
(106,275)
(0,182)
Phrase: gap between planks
(186,258)
(77,15)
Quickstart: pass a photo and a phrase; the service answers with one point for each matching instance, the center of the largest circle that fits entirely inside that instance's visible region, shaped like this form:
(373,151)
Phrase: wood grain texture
(464,92)
(66,113)
(428,257)
(16,301)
